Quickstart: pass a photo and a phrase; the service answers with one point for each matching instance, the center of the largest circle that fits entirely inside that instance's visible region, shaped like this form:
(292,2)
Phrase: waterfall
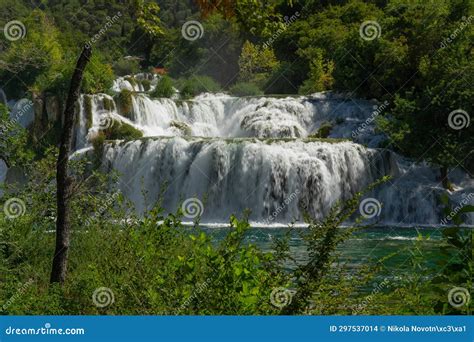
(3,173)
(260,153)
(236,174)
(3,97)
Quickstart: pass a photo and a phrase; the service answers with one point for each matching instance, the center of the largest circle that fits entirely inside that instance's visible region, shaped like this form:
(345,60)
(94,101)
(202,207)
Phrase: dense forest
(416,57)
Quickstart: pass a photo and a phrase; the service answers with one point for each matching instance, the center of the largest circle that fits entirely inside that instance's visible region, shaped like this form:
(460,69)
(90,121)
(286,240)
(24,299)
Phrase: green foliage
(164,88)
(146,84)
(320,75)
(182,126)
(197,85)
(13,140)
(124,99)
(323,131)
(108,104)
(245,89)
(215,54)
(98,146)
(256,63)
(120,130)
(428,293)
(125,67)
(147,17)
(38,55)
(98,77)
(88,110)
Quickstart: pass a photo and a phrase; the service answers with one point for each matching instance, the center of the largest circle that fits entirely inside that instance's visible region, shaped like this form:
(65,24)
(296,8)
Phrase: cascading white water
(3,173)
(236,174)
(237,153)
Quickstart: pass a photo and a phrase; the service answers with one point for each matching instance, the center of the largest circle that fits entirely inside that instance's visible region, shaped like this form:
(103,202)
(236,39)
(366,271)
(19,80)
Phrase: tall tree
(64,182)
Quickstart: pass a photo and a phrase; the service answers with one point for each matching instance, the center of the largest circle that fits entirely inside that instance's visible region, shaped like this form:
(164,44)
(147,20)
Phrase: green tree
(256,63)
(37,54)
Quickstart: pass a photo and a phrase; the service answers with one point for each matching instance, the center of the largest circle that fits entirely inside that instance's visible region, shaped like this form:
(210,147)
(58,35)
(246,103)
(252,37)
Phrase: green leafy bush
(98,77)
(164,88)
(125,67)
(323,131)
(146,84)
(121,130)
(245,89)
(197,85)
(124,101)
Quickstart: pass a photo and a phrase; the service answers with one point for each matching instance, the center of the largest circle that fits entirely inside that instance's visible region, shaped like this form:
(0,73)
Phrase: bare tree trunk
(63,223)
(444,177)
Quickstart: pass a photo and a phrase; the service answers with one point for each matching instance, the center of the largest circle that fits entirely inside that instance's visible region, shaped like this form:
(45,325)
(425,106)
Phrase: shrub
(108,104)
(124,99)
(125,67)
(182,126)
(98,77)
(245,89)
(146,84)
(323,131)
(88,109)
(121,130)
(197,85)
(164,88)
(98,145)
(133,82)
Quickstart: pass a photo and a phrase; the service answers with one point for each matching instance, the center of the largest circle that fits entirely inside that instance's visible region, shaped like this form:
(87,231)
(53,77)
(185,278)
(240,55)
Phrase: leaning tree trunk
(445,178)
(63,223)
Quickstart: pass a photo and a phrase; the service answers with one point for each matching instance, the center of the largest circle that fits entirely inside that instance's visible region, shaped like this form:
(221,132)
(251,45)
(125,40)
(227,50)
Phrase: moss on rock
(125,103)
